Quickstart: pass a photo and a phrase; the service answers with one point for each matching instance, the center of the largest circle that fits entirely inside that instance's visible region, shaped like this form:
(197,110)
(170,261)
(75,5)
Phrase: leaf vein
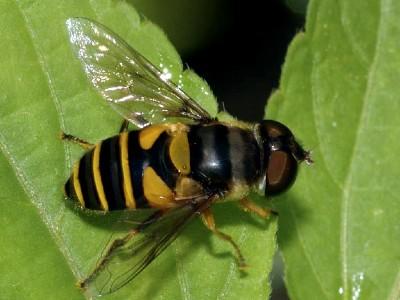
(395,291)
(314,114)
(356,48)
(182,274)
(227,284)
(308,258)
(22,177)
(347,188)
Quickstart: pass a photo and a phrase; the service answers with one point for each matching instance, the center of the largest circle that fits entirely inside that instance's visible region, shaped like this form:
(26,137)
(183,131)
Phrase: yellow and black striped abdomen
(130,171)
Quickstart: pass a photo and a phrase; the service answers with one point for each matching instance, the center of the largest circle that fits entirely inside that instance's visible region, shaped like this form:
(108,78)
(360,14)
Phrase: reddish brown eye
(281,172)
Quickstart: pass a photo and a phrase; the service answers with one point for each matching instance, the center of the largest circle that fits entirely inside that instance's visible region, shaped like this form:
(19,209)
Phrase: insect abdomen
(117,173)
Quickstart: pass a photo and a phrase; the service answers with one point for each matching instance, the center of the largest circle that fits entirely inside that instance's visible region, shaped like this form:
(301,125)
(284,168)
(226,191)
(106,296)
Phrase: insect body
(178,163)
(162,165)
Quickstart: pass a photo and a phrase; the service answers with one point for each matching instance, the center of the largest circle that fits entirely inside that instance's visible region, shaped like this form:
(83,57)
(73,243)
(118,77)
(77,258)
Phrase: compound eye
(281,172)
(275,129)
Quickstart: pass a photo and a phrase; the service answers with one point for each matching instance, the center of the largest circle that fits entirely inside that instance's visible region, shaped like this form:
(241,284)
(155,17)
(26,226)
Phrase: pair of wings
(132,85)
(143,95)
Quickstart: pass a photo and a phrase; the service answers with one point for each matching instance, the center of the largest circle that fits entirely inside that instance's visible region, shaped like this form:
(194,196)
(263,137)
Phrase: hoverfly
(178,163)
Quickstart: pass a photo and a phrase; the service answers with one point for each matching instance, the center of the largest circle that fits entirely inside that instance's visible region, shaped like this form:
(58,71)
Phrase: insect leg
(76,140)
(124,126)
(208,220)
(250,206)
(116,244)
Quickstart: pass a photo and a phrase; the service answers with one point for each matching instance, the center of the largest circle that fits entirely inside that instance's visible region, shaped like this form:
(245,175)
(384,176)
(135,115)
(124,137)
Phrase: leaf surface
(338,228)
(47,245)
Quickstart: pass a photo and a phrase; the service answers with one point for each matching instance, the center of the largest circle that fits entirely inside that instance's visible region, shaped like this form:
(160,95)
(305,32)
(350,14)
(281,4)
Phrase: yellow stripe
(156,191)
(97,177)
(77,184)
(179,152)
(126,172)
(148,135)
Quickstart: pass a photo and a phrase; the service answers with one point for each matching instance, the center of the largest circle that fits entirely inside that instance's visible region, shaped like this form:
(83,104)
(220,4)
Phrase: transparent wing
(129,82)
(128,256)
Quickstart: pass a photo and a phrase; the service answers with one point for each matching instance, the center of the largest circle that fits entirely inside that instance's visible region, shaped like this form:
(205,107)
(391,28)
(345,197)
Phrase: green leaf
(46,245)
(339,226)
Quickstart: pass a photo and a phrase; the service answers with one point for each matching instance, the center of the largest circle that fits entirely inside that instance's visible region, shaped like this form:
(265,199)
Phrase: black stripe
(138,161)
(209,155)
(196,153)
(161,162)
(244,155)
(222,147)
(87,182)
(252,157)
(111,173)
(67,189)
